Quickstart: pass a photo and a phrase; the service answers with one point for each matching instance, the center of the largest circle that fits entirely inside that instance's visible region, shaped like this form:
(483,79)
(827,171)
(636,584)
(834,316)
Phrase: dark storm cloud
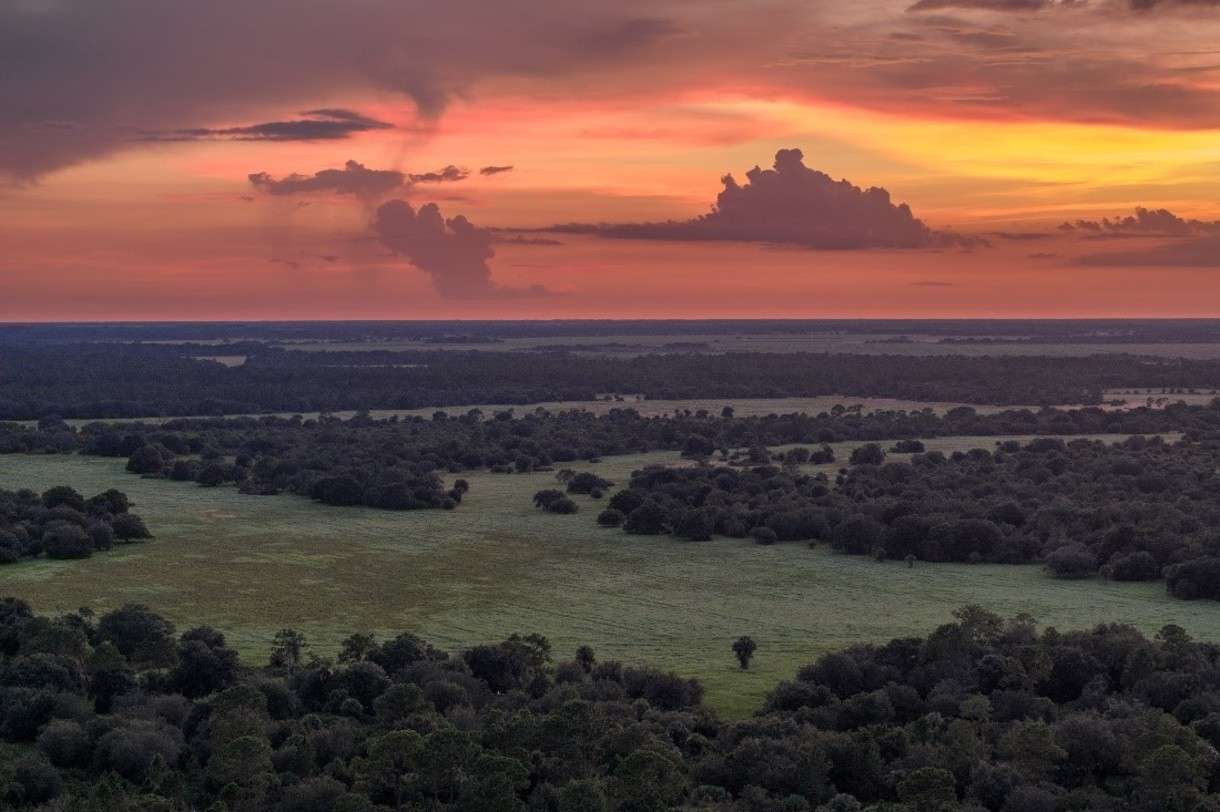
(453,252)
(495,170)
(793,204)
(353,179)
(629,35)
(81,80)
(320,125)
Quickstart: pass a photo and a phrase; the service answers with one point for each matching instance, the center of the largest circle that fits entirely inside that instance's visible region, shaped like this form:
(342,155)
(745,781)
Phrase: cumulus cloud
(1144,223)
(453,252)
(353,179)
(793,204)
(327,124)
(495,170)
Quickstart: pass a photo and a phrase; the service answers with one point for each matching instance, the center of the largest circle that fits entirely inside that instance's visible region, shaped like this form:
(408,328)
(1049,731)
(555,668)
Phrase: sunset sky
(243,159)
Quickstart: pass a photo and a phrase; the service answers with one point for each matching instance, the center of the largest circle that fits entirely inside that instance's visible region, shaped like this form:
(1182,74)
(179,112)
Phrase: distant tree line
(394,463)
(123,712)
(60,523)
(340,332)
(95,381)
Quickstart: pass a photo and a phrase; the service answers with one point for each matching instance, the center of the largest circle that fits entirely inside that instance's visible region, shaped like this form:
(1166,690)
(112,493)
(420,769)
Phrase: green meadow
(252,565)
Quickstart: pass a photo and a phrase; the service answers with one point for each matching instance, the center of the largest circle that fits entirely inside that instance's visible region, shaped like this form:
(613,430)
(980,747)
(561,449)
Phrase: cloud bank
(1144,223)
(453,252)
(796,205)
(353,179)
(1201,252)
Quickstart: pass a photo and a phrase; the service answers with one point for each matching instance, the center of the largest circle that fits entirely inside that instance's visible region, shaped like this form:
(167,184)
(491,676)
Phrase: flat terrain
(251,565)
(857,343)
(742,407)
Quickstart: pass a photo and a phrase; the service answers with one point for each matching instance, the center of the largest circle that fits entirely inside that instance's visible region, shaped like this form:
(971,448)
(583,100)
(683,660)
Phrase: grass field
(251,565)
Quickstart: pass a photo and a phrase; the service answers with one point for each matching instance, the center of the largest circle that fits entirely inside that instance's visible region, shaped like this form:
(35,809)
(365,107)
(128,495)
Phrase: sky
(397,159)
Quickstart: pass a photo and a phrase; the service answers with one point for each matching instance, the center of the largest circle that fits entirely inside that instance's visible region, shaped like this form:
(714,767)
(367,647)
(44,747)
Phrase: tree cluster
(1130,511)
(60,523)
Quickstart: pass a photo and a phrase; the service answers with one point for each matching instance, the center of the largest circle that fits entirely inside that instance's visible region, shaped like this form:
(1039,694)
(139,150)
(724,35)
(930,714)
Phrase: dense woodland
(127,381)
(121,712)
(1131,511)
(61,523)
(1136,510)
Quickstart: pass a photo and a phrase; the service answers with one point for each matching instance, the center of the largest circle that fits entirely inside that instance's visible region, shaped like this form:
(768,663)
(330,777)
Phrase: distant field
(742,407)
(227,360)
(251,565)
(868,344)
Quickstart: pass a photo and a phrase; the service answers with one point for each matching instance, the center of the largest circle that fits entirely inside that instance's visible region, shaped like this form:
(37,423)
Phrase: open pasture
(252,565)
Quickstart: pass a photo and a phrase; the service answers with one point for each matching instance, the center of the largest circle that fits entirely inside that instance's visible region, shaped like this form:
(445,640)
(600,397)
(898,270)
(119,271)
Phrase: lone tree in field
(744,648)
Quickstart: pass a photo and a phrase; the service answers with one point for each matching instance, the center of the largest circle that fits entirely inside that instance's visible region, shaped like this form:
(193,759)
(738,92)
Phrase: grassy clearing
(251,565)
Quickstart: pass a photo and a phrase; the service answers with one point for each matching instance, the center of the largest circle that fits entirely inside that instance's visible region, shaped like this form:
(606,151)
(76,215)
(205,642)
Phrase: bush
(1138,566)
(63,540)
(38,779)
(65,743)
(868,454)
(763,535)
(586,482)
(130,527)
(1071,561)
(610,518)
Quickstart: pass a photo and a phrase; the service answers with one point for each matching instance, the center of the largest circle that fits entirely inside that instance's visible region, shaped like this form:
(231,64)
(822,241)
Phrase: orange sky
(128,195)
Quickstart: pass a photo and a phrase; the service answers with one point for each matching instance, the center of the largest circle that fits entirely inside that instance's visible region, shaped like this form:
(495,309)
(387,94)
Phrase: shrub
(1071,561)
